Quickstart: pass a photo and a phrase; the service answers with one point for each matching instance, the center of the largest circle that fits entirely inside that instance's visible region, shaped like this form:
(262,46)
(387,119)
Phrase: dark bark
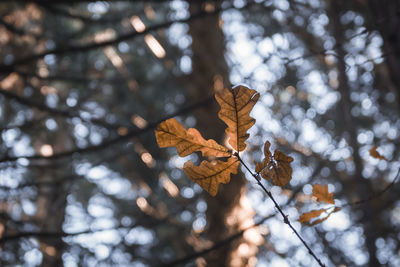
(386,17)
(210,71)
(364,188)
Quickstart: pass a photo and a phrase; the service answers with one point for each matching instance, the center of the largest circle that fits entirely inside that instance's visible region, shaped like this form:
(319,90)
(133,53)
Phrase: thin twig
(67,113)
(4,68)
(373,196)
(278,207)
(111,141)
(216,245)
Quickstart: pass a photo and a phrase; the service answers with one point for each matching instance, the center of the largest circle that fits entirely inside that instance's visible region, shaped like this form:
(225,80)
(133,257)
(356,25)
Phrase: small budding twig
(284,216)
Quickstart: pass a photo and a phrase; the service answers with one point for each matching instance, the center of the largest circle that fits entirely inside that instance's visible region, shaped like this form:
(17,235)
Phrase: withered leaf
(375,154)
(172,133)
(307,217)
(275,168)
(210,174)
(322,194)
(236,105)
(261,165)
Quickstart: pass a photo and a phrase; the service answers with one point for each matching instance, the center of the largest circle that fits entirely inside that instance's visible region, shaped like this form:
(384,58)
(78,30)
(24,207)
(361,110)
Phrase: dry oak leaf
(308,216)
(236,105)
(322,194)
(261,165)
(275,168)
(375,154)
(210,174)
(172,133)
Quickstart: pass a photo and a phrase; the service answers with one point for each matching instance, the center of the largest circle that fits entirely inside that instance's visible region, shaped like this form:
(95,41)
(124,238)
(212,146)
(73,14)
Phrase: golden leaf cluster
(236,105)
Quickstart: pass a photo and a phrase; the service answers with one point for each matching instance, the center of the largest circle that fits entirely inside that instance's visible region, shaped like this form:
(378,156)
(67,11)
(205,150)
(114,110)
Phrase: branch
(65,13)
(222,242)
(80,1)
(112,141)
(48,234)
(284,216)
(10,27)
(54,111)
(376,195)
(123,37)
(143,221)
(216,245)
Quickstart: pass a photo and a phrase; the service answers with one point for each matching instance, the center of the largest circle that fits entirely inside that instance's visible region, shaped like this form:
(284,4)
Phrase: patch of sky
(176,32)
(337,221)
(98,8)
(110,182)
(52,100)
(51,124)
(180,9)
(33,257)
(140,236)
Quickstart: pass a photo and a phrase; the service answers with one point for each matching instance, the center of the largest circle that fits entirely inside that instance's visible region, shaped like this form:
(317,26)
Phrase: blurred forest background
(84,83)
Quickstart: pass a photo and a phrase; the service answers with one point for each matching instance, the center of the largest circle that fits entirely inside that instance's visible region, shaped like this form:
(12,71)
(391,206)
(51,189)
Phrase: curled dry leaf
(236,105)
(261,165)
(307,217)
(275,168)
(322,194)
(210,174)
(172,133)
(375,154)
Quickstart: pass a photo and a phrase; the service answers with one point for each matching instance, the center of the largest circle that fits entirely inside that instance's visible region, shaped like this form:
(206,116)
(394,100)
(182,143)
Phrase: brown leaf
(236,105)
(275,168)
(261,165)
(172,133)
(324,218)
(210,174)
(322,194)
(375,154)
(308,216)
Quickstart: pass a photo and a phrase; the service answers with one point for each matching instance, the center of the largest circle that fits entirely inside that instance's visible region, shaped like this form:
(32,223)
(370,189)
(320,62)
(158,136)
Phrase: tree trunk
(228,211)
(364,188)
(51,203)
(386,17)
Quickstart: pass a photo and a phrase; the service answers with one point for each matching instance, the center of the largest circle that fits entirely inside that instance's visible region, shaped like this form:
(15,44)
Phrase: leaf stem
(278,207)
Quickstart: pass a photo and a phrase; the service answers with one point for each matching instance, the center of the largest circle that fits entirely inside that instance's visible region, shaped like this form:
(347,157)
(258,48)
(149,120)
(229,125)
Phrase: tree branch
(112,141)
(376,195)
(50,6)
(58,112)
(81,1)
(10,27)
(215,246)
(123,37)
(222,242)
(278,207)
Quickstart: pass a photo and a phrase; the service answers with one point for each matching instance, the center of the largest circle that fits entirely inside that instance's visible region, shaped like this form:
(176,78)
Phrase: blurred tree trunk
(385,17)
(370,216)
(226,212)
(50,217)
(51,203)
